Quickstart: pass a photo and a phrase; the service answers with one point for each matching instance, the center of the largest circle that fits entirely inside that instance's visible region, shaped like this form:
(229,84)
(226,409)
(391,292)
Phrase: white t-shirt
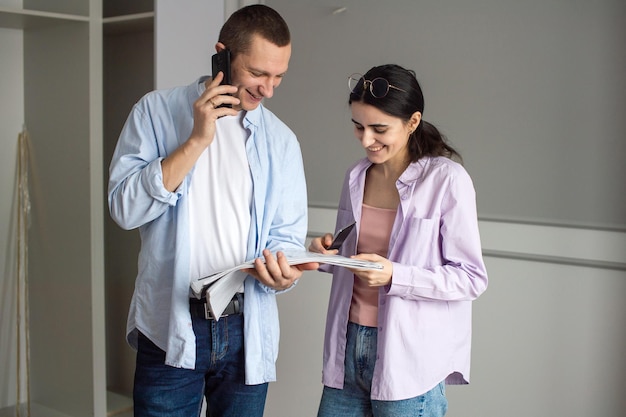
(220,198)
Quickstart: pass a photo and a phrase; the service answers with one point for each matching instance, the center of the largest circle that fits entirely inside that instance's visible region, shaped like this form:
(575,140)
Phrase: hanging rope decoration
(23,211)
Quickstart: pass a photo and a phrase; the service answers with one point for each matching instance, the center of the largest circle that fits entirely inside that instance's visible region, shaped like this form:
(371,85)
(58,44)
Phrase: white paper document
(220,287)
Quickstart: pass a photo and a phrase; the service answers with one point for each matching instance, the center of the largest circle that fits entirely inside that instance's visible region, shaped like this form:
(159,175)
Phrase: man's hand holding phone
(206,111)
(221,96)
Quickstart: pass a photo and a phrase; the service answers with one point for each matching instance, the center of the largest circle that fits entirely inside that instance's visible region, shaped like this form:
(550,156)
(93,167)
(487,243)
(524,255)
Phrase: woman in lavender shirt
(396,336)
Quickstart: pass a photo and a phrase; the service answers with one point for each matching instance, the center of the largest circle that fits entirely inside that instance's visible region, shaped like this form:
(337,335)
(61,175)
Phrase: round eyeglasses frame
(379,87)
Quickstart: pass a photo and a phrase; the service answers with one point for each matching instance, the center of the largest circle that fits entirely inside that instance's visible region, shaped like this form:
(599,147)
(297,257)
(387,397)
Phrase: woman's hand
(321,244)
(374,277)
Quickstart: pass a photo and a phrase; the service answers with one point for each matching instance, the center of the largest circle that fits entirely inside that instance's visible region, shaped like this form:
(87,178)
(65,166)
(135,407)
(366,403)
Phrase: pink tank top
(375,230)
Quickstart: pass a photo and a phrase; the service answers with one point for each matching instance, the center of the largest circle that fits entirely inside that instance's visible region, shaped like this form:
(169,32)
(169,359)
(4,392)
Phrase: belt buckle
(207,312)
(209,316)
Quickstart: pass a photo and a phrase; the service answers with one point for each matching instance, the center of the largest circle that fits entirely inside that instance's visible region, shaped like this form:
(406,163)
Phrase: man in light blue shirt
(210,187)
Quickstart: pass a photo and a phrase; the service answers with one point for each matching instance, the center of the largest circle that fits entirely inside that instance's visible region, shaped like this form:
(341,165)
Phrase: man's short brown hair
(241,26)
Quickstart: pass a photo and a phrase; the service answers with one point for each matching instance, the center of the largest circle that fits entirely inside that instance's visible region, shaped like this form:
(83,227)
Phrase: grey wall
(532,93)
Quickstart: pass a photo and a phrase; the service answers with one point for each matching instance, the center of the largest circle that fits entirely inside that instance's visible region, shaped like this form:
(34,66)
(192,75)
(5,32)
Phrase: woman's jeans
(354,399)
(164,391)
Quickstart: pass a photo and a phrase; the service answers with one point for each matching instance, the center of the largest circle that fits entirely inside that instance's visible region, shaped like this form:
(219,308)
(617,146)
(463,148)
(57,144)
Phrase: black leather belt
(200,308)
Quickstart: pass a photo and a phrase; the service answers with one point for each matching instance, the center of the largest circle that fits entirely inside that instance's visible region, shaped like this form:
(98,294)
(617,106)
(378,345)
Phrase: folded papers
(220,287)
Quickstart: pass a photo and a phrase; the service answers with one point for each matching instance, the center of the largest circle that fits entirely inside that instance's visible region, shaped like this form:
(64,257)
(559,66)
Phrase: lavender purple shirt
(425,314)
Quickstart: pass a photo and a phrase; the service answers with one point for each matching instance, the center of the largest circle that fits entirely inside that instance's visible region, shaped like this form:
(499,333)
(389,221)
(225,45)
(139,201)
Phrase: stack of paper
(220,287)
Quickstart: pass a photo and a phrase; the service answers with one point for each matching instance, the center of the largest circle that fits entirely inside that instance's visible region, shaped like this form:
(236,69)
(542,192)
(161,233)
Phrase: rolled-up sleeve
(136,194)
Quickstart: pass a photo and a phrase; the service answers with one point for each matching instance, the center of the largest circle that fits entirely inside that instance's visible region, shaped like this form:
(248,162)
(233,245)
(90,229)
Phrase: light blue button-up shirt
(158,124)
(425,314)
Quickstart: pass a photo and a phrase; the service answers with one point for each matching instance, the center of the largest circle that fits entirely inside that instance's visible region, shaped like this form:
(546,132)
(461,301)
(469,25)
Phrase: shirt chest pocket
(419,242)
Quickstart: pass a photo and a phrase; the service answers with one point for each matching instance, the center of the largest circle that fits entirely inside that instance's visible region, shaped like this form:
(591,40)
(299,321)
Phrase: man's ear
(219,47)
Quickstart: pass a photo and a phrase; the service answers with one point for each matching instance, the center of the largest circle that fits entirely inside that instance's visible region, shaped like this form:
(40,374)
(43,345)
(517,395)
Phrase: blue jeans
(354,399)
(164,391)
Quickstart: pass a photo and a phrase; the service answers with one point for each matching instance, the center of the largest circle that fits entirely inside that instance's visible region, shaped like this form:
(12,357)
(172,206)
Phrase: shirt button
(405,196)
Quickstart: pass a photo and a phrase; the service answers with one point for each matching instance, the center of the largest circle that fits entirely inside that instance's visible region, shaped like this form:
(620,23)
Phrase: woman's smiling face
(384,137)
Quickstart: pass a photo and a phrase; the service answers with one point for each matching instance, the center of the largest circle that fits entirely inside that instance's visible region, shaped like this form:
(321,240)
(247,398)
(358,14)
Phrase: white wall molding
(581,246)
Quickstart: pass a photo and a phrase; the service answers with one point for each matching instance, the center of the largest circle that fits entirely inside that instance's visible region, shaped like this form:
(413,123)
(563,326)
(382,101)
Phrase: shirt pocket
(420,242)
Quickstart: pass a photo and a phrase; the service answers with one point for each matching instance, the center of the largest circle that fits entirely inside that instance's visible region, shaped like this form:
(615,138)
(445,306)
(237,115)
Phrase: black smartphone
(221,62)
(341,236)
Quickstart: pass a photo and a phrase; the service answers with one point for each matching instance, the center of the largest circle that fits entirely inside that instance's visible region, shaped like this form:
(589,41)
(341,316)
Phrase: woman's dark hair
(256,19)
(402,101)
